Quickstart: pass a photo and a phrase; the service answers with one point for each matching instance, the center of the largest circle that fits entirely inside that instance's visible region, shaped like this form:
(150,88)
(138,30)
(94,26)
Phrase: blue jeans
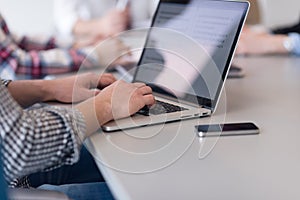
(81,181)
(84,171)
(84,191)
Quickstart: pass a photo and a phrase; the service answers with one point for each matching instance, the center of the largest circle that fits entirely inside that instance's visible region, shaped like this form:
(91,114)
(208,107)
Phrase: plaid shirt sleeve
(37,43)
(37,60)
(38,139)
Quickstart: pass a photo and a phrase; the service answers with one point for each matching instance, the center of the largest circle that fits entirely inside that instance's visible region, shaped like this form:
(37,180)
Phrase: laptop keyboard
(160,108)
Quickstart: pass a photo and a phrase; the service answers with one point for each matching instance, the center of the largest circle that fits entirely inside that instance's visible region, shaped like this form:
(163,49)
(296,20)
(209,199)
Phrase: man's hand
(116,101)
(123,99)
(77,88)
(91,32)
(114,22)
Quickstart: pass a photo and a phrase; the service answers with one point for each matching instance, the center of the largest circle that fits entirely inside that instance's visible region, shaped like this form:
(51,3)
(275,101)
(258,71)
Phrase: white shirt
(67,12)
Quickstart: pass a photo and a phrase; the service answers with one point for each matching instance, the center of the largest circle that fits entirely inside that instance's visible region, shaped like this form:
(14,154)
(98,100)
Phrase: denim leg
(84,191)
(85,171)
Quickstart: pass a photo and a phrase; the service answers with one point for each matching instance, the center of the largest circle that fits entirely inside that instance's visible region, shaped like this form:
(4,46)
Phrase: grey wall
(280,12)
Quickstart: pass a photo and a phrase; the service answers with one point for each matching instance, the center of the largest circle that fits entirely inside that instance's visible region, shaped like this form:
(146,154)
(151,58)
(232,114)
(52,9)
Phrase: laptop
(186,59)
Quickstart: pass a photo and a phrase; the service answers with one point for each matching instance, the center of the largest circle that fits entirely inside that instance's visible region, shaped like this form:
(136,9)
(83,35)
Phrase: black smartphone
(228,129)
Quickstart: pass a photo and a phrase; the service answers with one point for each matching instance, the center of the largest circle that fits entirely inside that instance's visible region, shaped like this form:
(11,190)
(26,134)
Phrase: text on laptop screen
(190,51)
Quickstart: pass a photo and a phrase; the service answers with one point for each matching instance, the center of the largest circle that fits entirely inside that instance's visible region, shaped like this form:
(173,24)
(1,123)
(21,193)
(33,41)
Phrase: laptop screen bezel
(205,102)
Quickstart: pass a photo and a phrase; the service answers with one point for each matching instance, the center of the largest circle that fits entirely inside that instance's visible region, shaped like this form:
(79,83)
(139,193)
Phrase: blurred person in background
(283,40)
(37,57)
(89,21)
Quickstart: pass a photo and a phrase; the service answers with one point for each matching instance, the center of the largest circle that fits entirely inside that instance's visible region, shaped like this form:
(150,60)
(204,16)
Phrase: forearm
(29,92)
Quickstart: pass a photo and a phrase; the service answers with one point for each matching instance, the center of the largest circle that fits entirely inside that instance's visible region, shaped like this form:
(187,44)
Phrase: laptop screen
(189,49)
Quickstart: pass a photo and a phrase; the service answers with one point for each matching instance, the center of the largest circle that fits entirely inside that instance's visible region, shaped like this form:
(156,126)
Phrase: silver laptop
(186,59)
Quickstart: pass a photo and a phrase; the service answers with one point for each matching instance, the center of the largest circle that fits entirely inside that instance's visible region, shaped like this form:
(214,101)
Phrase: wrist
(95,114)
(277,44)
(103,112)
(47,88)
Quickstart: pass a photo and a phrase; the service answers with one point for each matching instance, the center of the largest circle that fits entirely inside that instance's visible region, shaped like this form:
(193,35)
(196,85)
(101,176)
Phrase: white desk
(266,166)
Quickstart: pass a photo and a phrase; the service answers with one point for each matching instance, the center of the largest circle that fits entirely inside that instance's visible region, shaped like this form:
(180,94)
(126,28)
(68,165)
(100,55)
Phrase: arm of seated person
(26,135)
(253,43)
(65,90)
(93,30)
